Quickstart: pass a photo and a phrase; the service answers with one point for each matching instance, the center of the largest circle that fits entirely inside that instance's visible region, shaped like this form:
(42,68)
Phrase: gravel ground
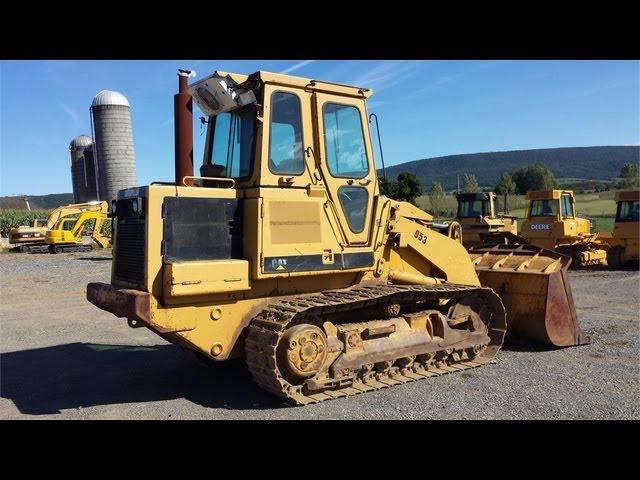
(62,358)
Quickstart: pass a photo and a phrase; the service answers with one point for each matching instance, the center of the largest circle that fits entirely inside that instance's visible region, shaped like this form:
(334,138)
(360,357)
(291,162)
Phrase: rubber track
(268,326)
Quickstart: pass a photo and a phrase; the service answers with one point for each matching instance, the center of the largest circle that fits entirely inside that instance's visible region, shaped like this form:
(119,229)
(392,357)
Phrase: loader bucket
(534,286)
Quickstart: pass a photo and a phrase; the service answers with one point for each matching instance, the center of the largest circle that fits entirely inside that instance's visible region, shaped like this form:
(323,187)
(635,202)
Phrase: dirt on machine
(552,223)
(32,239)
(283,251)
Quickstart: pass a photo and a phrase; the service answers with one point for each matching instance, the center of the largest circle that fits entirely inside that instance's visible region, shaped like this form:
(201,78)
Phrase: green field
(599,207)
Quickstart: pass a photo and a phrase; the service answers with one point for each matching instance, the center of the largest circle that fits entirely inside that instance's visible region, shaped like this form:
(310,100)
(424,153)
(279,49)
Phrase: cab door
(346,162)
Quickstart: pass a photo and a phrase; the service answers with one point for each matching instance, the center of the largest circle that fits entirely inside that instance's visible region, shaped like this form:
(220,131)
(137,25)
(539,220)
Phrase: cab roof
(547,194)
(627,195)
(300,82)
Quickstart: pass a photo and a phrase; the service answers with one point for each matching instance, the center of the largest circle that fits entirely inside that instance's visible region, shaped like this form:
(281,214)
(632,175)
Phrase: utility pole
(458,183)
(26,200)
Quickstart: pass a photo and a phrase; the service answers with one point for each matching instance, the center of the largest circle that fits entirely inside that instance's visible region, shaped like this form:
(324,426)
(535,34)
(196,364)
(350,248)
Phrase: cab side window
(285,135)
(567,208)
(344,141)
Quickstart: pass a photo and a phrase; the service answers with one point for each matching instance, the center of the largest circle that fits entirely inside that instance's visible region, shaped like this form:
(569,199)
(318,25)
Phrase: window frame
(271,104)
(567,197)
(326,149)
(619,218)
(366,207)
(208,150)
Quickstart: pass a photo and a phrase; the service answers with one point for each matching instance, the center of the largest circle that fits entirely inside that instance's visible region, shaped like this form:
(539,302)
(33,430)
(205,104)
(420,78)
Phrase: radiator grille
(129,251)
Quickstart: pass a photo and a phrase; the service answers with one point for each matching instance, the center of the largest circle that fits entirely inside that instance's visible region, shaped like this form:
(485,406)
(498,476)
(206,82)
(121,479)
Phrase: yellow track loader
(624,249)
(481,224)
(66,235)
(552,223)
(284,252)
(32,239)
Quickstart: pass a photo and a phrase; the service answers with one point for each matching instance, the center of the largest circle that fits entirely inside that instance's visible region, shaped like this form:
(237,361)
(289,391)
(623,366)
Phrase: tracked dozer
(624,251)
(481,224)
(283,251)
(552,223)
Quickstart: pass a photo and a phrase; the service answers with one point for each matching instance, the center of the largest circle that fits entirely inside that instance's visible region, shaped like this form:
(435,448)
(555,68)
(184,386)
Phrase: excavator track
(352,306)
(70,248)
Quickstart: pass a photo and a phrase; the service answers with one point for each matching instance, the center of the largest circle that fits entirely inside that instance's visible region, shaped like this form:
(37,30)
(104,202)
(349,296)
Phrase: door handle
(365,181)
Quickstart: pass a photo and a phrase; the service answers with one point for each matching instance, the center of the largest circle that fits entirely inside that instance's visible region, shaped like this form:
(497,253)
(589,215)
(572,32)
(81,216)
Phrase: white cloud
(297,66)
(73,114)
(387,73)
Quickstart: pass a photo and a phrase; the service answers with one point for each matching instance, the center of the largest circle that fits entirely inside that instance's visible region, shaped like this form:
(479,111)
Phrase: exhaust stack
(183,121)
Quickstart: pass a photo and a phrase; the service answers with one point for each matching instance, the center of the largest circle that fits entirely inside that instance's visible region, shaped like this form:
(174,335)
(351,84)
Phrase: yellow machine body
(479,219)
(283,251)
(36,234)
(625,250)
(552,223)
(67,233)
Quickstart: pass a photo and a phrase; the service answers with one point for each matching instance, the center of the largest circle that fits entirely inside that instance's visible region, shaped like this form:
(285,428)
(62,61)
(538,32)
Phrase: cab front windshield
(544,208)
(65,224)
(628,211)
(472,208)
(229,148)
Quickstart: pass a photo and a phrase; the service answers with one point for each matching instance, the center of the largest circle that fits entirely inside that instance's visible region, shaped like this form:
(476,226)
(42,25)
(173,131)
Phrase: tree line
(536,176)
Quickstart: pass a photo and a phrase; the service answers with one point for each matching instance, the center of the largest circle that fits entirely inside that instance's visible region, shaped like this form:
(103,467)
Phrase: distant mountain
(592,163)
(36,202)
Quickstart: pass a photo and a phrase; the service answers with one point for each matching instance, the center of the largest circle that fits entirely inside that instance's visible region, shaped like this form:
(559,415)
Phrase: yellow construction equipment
(66,235)
(31,239)
(284,252)
(480,222)
(552,223)
(624,248)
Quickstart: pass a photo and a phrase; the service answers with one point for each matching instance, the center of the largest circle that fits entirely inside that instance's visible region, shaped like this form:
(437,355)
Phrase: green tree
(629,176)
(409,187)
(535,176)
(388,188)
(470,184)
(505,185)
(436,199)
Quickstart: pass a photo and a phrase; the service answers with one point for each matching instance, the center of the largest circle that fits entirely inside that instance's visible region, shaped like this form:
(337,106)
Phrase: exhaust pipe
(183,122)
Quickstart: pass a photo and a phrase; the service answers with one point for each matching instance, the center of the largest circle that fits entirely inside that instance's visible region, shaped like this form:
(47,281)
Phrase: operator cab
(474,205)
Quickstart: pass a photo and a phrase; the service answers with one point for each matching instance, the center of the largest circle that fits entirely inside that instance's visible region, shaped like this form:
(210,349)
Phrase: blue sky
(425,108)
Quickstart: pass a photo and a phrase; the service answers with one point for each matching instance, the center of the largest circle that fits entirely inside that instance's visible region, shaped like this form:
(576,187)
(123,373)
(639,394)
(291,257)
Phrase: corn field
(16,218)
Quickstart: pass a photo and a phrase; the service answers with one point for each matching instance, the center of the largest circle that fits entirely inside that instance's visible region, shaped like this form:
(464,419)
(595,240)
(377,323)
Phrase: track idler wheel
(304,350)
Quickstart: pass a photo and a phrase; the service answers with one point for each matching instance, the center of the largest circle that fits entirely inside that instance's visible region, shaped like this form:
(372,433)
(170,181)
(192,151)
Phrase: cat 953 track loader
(283,251)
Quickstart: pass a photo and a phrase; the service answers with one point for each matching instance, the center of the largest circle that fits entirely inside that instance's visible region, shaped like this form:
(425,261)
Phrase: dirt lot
(62,358)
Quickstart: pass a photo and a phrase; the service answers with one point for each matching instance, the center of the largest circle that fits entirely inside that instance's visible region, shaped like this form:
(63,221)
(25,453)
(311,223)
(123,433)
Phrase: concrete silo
(113,145)
(83,174)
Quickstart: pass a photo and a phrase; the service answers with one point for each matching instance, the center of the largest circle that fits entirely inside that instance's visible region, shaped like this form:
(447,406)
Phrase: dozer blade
(534,286)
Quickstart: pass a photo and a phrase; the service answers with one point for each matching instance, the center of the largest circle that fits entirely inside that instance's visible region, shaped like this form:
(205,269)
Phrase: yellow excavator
(481,224)
(552,223)
(284,252)
(31,239)
(66,235)
(624,250)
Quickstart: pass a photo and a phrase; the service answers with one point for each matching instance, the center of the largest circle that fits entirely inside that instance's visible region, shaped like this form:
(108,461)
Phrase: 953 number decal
(420,236)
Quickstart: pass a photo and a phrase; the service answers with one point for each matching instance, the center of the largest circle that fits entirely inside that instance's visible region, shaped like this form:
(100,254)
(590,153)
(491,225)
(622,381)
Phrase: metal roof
(81,141)
(109,97)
